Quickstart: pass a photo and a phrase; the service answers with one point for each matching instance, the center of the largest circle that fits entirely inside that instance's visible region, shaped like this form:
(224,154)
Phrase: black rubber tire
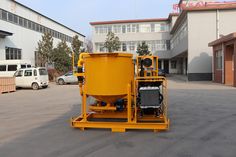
(61,82)
(45,87)
(35,86)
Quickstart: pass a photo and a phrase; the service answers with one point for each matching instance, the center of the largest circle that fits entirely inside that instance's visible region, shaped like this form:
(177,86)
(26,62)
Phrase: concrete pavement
(36,124)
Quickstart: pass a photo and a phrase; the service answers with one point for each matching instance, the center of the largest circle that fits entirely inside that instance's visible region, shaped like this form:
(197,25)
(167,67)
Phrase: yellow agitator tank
(107,75)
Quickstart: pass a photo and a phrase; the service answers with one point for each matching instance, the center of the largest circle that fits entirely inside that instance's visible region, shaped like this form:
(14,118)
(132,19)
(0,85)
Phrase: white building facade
(21,28)
(154,32)
(180,41)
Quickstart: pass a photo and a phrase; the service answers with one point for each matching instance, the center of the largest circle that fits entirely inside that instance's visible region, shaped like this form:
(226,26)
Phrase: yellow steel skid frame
(130,115)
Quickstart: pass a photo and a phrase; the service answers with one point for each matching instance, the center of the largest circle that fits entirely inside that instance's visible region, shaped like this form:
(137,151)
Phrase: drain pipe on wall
(222,46)
(217,37)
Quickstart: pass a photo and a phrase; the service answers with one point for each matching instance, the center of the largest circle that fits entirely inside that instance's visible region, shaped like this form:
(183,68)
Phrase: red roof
(128,21)
(207,7)
(212,6)
(223,39)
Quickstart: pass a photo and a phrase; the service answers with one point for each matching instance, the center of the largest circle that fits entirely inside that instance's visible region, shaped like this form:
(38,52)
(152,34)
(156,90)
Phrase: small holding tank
(124,99)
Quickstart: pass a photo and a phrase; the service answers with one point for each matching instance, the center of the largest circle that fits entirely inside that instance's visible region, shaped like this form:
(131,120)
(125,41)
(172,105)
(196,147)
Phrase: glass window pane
(124,48)
(3,67)
(128,28)
(29,24)
(35,72)
(7,54)
(152,27)
(123,29)
(37,27)
(133,28)
(16,19)
(10,17)
(33,26)
(43,72)
(19,73)
(12,67)
(19,54)
(137,28)
(4,15)
(109,29)
(21,21)
(22,66)
(28,73)
(25,23)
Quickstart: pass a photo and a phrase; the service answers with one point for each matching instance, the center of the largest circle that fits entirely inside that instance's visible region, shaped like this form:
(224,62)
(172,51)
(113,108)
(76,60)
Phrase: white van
(32,78)
(9,67)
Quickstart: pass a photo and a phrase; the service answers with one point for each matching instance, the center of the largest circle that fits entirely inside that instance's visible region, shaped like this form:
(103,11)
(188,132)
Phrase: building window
(132,46)
(29,24)
(152,27)
(12,67)
(168,44)
(134,28)
(10,17)
(164,27)
(0,14)
(3,67)
(25,23)
(21,21)
(145,28)
(123,29)
(109,28)
(128,29)
(173,64)
(157,27)
(4,15)
(117,28)
(219,60)
(13,53)
(124,48)
(137,28)
(15,18)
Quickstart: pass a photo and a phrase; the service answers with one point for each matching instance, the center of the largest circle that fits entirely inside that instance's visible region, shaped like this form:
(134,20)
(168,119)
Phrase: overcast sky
(77,14)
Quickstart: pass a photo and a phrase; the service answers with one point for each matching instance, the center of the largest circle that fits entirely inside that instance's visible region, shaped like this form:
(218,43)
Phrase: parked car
(32,78)
(67,78)
(161,72)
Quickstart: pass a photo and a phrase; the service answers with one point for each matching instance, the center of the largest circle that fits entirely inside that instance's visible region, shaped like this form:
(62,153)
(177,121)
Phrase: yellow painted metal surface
(107,75)
(110,76)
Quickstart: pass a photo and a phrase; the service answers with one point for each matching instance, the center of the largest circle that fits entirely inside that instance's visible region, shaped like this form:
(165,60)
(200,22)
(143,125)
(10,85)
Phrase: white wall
(201,31)
(24,38)
(13,7)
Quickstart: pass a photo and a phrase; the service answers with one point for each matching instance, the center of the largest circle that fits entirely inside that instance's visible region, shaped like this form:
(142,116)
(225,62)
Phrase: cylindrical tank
(107,75)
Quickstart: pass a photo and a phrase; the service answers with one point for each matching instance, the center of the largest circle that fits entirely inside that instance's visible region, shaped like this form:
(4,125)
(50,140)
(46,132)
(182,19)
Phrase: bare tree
(89,45)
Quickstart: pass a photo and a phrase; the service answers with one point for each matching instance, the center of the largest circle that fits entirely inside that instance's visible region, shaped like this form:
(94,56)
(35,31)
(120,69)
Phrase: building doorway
(229,65)
(166,66)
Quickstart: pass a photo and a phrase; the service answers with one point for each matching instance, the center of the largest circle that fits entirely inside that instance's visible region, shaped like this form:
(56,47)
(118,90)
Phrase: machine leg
(129,103)
(82,129)
(155,130)
(84,110)
(118,129)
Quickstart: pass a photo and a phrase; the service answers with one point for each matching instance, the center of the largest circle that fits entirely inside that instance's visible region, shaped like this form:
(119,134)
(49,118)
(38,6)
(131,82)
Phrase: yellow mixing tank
(107,75)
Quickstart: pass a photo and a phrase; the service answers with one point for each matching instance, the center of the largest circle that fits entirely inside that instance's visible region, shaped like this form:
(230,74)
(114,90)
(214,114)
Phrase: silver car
(67,78)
